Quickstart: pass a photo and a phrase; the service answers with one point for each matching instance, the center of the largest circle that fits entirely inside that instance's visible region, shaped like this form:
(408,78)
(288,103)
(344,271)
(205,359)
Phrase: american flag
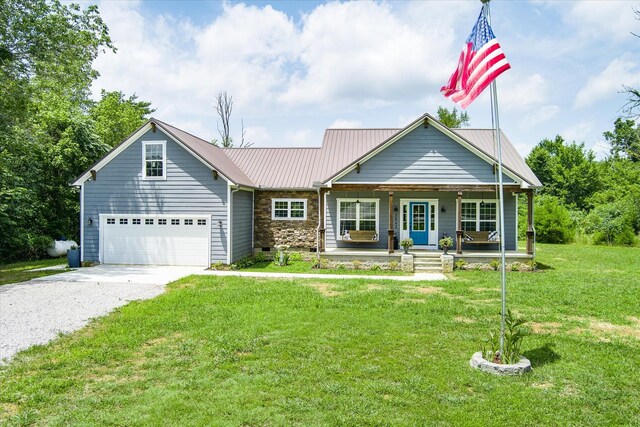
(481,61)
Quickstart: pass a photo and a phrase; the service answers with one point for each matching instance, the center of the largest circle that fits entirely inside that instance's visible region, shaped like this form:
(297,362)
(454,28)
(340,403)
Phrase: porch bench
(477,238)
(361,236)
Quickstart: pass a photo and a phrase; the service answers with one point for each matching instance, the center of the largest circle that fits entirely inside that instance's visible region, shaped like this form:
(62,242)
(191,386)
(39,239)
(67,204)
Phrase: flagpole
(503,270)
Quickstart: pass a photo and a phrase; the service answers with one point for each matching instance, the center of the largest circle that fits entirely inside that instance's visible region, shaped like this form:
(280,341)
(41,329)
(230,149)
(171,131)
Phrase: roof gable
(513,164)
(423,156)
(212,156)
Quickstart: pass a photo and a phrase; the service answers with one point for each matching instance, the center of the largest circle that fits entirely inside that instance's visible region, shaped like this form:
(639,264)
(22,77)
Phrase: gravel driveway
(35,312)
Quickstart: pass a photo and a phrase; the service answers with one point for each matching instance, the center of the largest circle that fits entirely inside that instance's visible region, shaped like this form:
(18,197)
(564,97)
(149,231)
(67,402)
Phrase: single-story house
(164,196)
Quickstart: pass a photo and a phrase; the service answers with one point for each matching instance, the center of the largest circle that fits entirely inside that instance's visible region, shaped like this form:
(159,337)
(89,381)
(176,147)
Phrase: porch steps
(427,262)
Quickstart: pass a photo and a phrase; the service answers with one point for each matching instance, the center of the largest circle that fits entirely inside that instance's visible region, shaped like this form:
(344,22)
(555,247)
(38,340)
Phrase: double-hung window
(289,209)
(479,215)
(358,214)
(154,159)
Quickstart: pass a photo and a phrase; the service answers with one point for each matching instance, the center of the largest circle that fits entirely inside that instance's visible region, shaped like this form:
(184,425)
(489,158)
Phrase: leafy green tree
(568,172)
(624,139)
(116,116)
(451,118)
(552,221)
(46,51)
(611,224)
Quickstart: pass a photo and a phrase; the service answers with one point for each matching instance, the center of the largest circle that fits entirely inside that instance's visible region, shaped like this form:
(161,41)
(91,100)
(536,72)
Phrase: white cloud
(598,19)
(577,132)
(258,136)
(300,138)
(620,71)
(362,53)
(521,93)
(539,115)
(345,124)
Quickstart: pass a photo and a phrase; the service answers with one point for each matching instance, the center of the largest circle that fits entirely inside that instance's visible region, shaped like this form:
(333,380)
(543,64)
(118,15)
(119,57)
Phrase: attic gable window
(154,159)
(289,209)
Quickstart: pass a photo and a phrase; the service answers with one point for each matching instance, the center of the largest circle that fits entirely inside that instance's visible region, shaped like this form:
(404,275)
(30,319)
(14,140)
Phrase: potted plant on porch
(406,244)
(445,243)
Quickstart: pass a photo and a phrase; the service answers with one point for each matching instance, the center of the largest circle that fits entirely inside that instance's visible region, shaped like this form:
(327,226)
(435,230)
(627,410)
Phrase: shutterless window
(188,222)
(289,209)
(111,220)
(123,221)
(202,222)
(154,159)
(479,216)
(175,222)
(148,221)
(135,221)
(162,222)
(358,216)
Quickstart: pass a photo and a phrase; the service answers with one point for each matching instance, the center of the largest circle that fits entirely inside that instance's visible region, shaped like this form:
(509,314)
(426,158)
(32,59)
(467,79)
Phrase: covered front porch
(380,216)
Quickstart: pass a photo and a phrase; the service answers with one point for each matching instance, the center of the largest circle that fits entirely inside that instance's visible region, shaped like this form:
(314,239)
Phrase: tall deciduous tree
(116,116)
(224,107)
(46,51)
(568,171)
(451,118)
(624,139)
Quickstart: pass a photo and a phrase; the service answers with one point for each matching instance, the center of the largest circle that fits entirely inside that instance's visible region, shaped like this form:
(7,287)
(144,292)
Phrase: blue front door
(418,229)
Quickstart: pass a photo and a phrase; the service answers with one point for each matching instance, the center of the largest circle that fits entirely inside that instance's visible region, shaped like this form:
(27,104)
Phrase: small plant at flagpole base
(510,361)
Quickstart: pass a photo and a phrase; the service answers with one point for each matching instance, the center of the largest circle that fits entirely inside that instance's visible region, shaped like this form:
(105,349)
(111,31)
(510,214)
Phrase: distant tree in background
(567,171)
(624,139)
(451,118)
(632,108)
(224,107)
(116,116)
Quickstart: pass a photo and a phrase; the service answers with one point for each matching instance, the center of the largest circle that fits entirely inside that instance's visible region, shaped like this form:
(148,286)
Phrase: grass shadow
(542,355)
(541,266)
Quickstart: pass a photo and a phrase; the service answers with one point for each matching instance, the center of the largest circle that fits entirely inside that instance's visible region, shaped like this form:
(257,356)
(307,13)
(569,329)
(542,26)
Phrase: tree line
(50,129)
(589,200)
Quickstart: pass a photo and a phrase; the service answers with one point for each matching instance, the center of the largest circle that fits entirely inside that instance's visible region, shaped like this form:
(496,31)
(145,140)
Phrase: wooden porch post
(530,232)
(459,224)
(321,230)
(390,229)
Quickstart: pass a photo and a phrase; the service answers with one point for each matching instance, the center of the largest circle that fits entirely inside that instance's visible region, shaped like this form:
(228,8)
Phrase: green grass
(237,351)
(19,271)
(307,267)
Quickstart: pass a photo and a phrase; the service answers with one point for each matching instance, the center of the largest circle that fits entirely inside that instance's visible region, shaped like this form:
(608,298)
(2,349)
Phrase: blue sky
(297,68)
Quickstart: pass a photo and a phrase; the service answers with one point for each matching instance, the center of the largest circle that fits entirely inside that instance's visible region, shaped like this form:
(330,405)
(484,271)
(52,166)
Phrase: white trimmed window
(479,215)
(358,214)
(289,209)
(154,159)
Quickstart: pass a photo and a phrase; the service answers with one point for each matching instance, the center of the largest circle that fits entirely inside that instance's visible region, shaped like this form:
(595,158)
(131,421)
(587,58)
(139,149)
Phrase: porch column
(459,224)
(530,231)
(321,229)
(390,230)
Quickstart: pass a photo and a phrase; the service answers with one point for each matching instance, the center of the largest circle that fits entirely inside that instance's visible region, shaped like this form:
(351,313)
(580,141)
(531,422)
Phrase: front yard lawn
(239,351)
(19,271)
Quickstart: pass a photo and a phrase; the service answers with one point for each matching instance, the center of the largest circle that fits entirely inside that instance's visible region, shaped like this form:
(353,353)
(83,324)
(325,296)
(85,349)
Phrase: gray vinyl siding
(188,189)
(446,220)
(242,224)
(424,156)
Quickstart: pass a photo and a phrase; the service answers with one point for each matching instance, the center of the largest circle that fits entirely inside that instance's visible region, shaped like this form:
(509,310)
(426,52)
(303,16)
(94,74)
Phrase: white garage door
(155,239)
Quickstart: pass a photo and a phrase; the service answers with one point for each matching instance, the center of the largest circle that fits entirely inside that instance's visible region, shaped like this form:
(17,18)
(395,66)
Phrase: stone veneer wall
(296,234)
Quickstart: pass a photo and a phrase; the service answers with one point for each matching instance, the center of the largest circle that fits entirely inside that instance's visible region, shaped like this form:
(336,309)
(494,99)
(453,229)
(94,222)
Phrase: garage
(155,239)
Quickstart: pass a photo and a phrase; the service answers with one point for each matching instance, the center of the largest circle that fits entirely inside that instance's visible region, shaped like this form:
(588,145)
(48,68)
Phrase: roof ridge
(269,148)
